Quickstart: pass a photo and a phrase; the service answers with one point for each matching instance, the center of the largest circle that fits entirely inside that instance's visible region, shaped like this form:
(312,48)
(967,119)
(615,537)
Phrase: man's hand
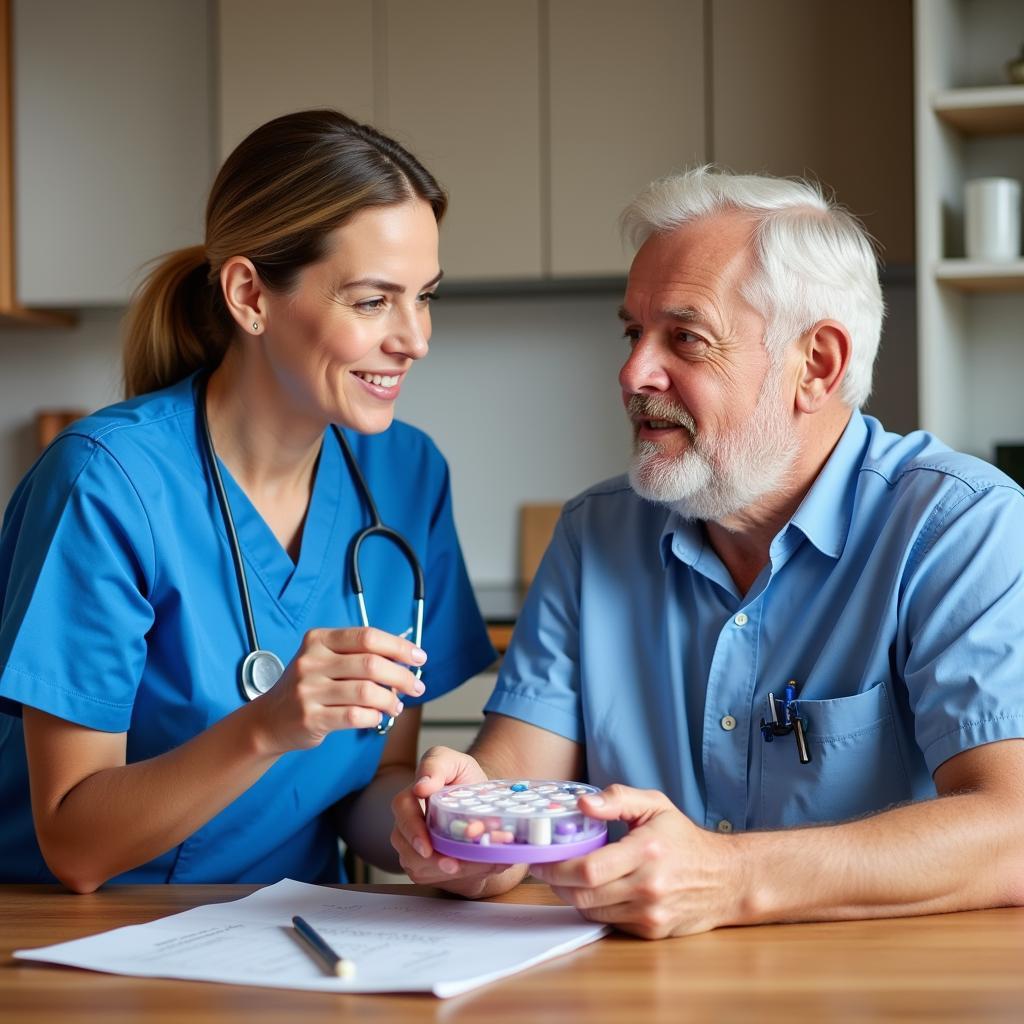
(666,877)
(440,767)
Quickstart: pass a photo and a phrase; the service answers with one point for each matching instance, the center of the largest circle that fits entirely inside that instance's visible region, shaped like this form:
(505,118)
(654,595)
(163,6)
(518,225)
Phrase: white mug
(992,219)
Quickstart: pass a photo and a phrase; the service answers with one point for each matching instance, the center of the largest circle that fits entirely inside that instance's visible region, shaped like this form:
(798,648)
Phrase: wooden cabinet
(275,58)
(112,142)
(544,117)
(801,87)
(969,124)
(533,115)
(626,104)
(461,86)
(13,313)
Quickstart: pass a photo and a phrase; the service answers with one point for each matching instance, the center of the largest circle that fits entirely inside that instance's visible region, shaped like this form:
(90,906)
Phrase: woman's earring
(255,325)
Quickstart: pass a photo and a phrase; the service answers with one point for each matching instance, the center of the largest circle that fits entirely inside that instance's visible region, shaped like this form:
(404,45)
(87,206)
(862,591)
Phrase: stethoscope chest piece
(260,670)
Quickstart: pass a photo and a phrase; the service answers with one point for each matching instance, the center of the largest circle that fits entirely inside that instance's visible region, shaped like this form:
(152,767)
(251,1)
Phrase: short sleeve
(454,634)
(76,559)
(962,611)
(539,680)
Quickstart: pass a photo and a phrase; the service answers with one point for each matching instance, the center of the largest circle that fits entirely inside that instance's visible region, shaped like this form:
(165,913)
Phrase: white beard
(715,479)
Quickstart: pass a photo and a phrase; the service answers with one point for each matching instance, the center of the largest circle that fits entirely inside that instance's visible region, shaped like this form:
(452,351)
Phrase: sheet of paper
(398,943)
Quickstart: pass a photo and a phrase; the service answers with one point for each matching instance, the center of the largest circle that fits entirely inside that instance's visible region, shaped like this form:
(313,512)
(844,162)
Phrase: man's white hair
(814,260)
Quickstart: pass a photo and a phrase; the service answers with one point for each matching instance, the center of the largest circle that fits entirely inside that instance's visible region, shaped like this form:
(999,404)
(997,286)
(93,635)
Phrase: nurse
(128,750)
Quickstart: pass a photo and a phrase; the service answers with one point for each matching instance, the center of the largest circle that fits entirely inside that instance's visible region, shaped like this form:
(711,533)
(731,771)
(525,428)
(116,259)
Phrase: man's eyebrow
(388,286)
(683,314)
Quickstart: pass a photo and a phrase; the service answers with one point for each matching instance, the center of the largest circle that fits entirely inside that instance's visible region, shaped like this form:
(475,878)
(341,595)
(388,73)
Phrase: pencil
(337,965)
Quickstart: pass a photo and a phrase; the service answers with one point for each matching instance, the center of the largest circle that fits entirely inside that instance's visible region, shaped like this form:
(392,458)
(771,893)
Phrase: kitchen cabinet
(801,87)
(461,87)
(544,117)
(12,312)
(275,58)
(458,84)
(626,104)
(970,124)
(111,142)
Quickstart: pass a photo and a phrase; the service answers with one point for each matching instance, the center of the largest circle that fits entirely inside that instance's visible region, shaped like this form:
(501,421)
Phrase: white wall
(519,393)
(522,397)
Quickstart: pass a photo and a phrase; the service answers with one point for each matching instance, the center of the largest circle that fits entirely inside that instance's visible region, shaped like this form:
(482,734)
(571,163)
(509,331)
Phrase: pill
(475,828)
(457,829)
(519,787)
(540,831)
(500,836)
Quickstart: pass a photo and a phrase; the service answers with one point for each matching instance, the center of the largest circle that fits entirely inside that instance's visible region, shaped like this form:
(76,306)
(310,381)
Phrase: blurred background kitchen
(542,118)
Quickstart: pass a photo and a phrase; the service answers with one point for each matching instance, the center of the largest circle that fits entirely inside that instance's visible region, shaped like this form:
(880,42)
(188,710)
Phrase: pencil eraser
(513,821)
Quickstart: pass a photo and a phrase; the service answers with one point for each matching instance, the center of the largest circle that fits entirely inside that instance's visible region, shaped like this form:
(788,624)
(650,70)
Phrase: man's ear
(825,351)
(244,294)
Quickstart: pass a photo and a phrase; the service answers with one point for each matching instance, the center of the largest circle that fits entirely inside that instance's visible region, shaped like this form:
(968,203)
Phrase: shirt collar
(683,538)
(823,517)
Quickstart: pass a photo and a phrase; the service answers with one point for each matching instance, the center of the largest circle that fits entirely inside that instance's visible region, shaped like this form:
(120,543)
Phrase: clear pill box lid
(513,821)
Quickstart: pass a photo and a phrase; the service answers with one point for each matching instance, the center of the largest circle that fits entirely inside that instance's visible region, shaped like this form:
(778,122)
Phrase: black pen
(337,965)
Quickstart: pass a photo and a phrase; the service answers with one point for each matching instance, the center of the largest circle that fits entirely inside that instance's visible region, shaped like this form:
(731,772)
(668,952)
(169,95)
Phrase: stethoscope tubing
(376,528)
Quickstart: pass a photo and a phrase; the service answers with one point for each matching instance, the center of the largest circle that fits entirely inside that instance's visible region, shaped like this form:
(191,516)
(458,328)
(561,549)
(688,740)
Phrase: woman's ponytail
(170,329)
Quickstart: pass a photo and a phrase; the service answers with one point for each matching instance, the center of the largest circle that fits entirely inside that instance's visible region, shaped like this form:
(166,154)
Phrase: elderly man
(768,534)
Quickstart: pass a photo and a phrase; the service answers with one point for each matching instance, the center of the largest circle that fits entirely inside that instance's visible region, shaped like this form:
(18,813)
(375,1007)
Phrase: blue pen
(316,944)
(790,722)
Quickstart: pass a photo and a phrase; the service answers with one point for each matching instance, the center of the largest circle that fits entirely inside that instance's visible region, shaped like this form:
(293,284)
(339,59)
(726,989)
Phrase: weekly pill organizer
(504,821)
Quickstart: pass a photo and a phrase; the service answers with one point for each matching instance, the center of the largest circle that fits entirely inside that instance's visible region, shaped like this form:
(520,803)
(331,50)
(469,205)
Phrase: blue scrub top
(894,597)
(121,612)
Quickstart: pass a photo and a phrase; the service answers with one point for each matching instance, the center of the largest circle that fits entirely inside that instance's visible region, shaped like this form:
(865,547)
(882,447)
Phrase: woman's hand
(441,766)
(339,679)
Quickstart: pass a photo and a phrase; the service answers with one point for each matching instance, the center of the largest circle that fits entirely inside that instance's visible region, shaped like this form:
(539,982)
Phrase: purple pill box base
(513,821)
(515,853)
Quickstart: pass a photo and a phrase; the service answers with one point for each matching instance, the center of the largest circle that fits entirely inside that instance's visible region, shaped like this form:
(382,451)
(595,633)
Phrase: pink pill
(475,829)
(499,836)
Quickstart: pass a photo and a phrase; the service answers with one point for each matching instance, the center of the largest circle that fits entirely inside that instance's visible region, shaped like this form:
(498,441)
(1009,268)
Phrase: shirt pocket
(855,766)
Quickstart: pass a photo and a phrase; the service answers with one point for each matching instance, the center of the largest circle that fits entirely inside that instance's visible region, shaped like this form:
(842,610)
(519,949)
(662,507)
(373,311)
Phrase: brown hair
(278,196)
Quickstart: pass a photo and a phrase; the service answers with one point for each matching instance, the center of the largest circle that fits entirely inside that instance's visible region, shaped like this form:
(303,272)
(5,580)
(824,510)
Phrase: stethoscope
(261,669)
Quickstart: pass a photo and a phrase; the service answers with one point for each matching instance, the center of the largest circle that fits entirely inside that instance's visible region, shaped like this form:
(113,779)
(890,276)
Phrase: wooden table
(955,967)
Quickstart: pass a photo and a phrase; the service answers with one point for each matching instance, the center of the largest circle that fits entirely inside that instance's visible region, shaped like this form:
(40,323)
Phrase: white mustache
(657,407)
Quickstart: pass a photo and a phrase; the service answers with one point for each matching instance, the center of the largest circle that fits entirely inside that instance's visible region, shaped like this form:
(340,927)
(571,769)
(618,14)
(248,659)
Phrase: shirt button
(724,826)
(728,723)
(741,619)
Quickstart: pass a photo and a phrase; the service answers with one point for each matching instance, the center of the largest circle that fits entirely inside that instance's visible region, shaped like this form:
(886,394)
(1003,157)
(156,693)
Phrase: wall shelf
(18,316)
(970,312)
(992,110)
(977,276)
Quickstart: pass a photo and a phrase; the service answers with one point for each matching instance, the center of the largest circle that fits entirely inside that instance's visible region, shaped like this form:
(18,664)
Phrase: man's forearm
(953,853)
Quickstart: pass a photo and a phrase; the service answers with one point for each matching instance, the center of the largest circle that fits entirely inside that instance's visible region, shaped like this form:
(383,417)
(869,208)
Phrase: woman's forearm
(119,817)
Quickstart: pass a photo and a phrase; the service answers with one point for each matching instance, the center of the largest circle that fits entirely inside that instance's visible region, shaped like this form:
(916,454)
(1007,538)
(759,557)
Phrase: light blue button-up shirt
(894,598)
